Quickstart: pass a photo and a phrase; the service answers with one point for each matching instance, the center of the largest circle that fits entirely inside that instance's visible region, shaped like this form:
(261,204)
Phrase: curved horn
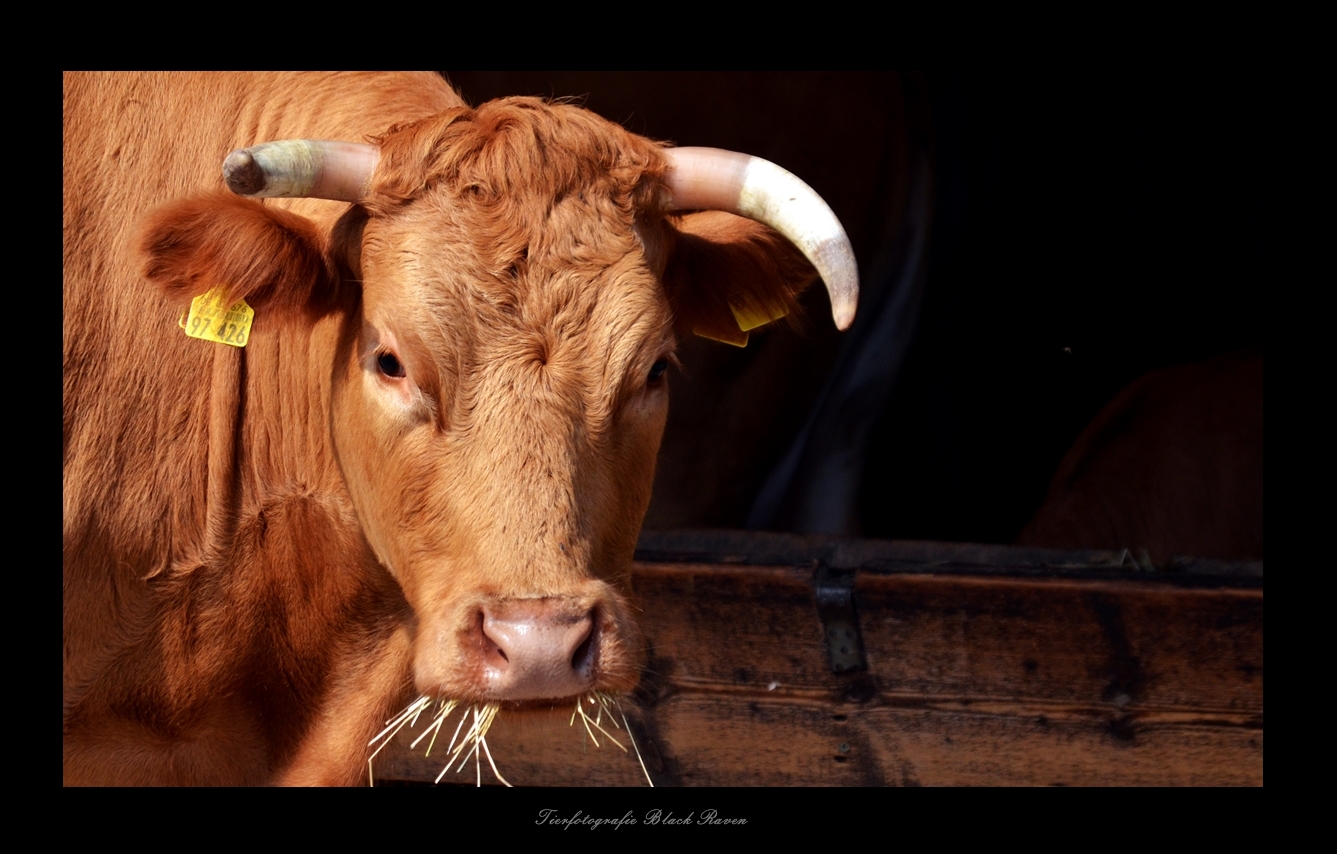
(301,169)
(714,179)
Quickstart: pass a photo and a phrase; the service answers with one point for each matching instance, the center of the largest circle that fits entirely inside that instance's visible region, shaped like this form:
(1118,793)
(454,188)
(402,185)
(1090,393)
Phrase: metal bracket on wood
(840,623)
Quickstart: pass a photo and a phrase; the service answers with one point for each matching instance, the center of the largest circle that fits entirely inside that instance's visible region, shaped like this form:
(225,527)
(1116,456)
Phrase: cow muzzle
(531,650)
(534,649)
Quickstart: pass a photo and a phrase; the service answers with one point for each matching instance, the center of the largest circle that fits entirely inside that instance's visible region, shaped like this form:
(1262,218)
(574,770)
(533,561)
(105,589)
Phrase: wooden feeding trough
(780,660)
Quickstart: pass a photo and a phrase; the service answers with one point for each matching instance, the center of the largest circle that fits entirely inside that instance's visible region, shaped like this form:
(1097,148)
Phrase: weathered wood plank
(985,666)
(729,741)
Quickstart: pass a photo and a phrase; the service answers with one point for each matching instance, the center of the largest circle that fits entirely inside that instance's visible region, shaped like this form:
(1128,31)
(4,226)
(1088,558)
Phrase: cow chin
(530,652)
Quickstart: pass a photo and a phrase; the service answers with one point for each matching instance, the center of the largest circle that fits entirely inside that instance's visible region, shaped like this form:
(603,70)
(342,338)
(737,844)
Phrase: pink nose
(537,649)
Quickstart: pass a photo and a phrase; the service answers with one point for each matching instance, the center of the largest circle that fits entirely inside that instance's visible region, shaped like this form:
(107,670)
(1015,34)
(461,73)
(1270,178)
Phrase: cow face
(501,396)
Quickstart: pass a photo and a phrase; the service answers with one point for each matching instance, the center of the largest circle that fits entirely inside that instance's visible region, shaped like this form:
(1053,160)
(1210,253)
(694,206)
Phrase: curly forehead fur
(550,204)
(508,152)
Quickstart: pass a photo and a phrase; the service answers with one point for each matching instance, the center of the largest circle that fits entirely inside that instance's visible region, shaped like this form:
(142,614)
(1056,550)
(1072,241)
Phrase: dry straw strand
(471,741)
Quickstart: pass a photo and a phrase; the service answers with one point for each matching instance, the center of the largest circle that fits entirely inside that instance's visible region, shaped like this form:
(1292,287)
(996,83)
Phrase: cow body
(1172,466)
(426,470)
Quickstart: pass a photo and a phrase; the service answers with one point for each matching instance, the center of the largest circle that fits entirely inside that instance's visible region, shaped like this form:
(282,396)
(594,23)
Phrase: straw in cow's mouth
(605,703)
(472,742)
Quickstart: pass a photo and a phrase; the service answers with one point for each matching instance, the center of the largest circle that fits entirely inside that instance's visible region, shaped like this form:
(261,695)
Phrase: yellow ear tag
(747,320)
(211,319)
(750,319)
(737,339)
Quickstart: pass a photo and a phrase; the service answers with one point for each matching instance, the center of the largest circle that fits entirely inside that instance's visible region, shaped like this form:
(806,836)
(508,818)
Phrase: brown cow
(426,469)
(1173,465)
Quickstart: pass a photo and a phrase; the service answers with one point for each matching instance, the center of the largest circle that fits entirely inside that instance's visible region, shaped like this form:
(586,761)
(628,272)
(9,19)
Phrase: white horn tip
(844,315)
(845,305)
(834,260)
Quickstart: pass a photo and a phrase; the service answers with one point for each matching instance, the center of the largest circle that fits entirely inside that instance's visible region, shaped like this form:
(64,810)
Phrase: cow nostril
(492,647)
(583,657)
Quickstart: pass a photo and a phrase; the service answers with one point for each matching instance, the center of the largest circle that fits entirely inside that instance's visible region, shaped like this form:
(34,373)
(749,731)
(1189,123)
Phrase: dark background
(1085,228)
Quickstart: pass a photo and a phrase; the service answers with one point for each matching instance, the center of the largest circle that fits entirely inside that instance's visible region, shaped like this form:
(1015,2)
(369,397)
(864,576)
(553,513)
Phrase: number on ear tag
(211,319)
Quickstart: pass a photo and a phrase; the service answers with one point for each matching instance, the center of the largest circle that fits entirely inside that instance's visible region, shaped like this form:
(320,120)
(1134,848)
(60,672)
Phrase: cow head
(510,282)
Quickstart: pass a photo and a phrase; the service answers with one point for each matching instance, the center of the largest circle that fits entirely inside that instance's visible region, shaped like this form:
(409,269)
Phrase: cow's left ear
(273,259)
(727,274)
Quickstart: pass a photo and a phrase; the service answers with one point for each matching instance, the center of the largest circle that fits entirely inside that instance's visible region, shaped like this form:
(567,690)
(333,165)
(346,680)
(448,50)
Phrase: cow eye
(657,369)
(390,365)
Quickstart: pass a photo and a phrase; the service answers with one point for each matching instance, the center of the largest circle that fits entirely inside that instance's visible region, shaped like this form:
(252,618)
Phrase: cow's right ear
(273,259)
